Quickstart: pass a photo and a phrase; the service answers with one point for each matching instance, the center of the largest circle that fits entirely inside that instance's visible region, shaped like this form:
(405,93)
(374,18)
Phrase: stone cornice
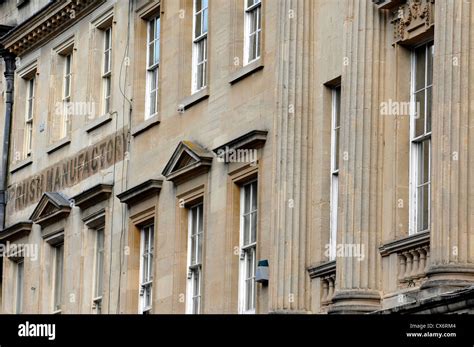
(406,243)
(93,195)
(324,269)
(188,161)
(15,231)
(53,19)
(140,192)
(253,139)
(52,207)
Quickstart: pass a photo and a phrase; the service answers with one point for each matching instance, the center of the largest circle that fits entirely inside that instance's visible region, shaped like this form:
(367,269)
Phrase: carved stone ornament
(412,20)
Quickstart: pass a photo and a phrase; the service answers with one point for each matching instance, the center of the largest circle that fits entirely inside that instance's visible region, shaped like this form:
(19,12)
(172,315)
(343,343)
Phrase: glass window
(146,267)
(107,70)
(335,147)
(420,133)
(99,271)
(200,45)
(30,100)
(19,286)
(67,80)
(58,276)
(248,248)
(196,233)
(153,62)
(253,30)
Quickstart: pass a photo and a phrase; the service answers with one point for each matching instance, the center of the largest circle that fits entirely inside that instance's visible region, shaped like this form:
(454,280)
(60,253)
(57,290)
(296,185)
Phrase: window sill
(21,165)
(193,99)
(58,145)
(98,122)
(246,71)
(144,126)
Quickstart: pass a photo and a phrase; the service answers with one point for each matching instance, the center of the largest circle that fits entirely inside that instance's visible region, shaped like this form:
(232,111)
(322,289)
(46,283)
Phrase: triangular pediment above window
(51,208)
(188,160)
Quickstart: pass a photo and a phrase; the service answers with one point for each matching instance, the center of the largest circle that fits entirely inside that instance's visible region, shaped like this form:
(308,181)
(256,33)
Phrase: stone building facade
(236,156)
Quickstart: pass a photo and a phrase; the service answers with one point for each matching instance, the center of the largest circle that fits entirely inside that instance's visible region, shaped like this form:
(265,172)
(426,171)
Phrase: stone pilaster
(357,275)
(289,281)
(452,224)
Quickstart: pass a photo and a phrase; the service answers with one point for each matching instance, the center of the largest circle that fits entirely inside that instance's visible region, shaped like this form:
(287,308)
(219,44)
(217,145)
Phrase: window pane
(247,198)
(58,277)
(204,21)
(197,28)
(246,229)
(151,31)
(157,53)
(201,51)
(157,22)
(252,47)
(151,54)
(106,61)
(67,85)
(253,21)
(426,204)
(425,162)
(198,5)
(420,116)
(99,263)
(148,296)
(430,63)
(30,109)
(254,196)
(253,236)
(200,75)
(423,207)
(258,38)
(428,108)
(150,257)
(200,218)
(152,102)
(193,249)
(336,149)
(337,120)
(420,54)
(19,287)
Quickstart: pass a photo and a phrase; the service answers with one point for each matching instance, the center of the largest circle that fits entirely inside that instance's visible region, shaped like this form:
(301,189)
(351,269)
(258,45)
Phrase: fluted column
(289,281)
(357,278)
(452,226)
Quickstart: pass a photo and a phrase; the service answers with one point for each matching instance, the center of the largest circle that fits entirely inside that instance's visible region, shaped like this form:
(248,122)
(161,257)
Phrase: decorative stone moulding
(413,21)
(51,20)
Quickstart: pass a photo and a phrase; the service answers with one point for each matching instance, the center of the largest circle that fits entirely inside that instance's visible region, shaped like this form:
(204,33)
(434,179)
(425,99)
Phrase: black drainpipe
(10,67)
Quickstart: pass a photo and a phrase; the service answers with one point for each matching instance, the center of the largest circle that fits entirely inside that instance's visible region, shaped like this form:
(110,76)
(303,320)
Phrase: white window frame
(194,269)
(66,94)
(198,40)
(249,10)
(248,252)
(99,258)
(335,146)
(146,258)
(58,277)
(416,145)
(19,285)
(107,70)
(29,115)
(153,68)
